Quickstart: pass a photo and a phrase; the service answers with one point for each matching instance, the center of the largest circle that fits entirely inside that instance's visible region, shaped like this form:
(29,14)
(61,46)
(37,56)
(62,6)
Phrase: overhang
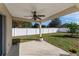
(50,10)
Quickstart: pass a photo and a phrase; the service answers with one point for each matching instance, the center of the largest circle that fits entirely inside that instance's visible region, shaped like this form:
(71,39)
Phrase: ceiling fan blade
(41,15)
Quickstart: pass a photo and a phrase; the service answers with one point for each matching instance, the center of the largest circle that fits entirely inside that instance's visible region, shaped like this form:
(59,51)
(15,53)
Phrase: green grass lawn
(58,39)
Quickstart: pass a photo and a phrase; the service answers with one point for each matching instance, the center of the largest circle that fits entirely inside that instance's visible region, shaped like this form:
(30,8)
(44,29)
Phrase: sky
(43,23)
(73,17)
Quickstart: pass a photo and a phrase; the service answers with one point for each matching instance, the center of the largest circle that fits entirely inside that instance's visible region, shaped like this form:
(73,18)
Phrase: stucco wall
(4,11)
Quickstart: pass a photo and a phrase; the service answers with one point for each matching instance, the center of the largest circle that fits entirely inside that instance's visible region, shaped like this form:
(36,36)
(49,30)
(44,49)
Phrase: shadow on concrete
(14,51)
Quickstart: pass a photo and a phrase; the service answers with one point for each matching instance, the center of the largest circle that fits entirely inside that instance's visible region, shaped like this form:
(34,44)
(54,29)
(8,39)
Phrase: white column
(40,31)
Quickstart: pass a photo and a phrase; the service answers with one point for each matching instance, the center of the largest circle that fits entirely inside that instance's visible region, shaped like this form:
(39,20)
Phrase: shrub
(72,28)
(15,41)
(73,50)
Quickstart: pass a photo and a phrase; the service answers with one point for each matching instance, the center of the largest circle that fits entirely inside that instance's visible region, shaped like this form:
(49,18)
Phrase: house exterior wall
(8,36)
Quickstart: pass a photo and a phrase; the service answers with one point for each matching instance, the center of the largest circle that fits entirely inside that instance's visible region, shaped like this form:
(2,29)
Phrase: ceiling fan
(35,16)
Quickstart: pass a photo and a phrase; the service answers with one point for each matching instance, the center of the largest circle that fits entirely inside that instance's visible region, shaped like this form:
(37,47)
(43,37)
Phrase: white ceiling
(24,9)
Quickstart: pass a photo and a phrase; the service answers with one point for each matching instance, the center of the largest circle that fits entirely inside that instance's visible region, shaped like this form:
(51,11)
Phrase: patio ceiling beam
(22,19)
(64,12)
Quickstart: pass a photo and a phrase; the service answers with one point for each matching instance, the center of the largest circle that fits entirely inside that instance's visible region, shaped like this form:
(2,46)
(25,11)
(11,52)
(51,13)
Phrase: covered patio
(23,12)
(43,12)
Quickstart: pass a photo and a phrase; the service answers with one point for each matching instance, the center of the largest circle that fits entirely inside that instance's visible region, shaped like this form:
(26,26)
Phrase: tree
(55,23)
(21,24)
(72,28)
(43,26)
(26,25)
(64,25)
(36,25)
(14,24)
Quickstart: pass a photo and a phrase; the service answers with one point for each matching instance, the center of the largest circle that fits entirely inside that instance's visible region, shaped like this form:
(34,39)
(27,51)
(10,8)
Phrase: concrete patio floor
(36,48)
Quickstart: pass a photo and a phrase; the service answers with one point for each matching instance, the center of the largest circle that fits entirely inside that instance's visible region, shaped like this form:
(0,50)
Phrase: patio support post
(40,32)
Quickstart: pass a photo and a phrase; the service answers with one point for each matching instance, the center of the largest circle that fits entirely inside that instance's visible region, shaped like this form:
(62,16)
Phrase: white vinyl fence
(33,31)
